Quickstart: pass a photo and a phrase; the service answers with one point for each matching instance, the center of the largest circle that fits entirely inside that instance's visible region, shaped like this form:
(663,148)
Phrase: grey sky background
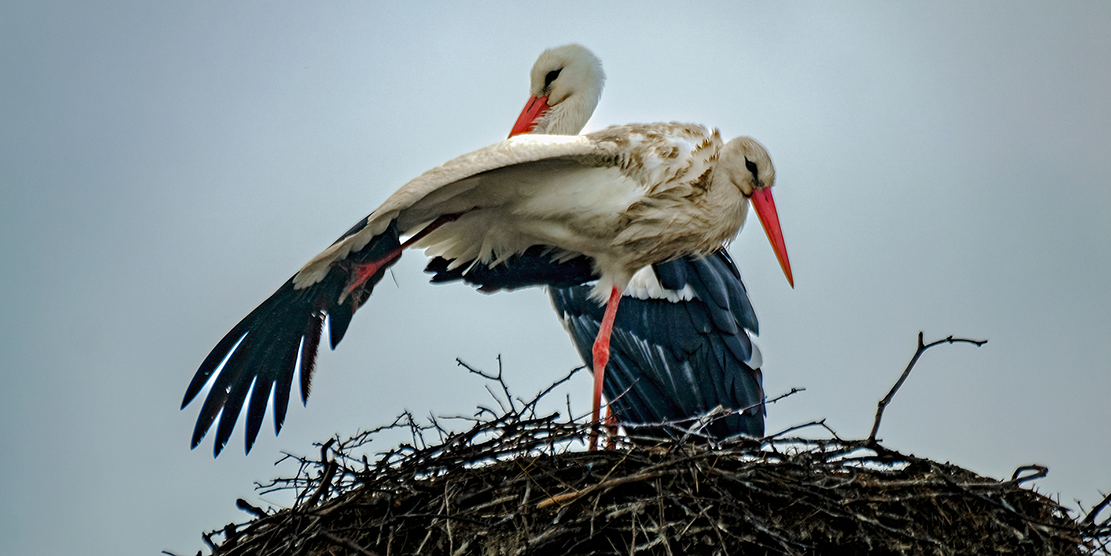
(165,166)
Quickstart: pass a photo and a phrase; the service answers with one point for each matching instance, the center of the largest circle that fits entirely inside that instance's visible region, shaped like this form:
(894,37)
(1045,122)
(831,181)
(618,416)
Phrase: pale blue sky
(166,165)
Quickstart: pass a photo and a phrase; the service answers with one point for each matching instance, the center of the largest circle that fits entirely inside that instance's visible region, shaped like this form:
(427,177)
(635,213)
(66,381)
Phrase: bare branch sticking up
(1091,517)
(921,349)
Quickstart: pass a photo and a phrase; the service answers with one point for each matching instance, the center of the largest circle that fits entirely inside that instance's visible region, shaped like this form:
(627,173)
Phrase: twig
(348,543)
(495,378)
(792,392)
(1040,471)
(325,482)
(207,538)
(251,509)
(921,349)
(531,405)
(1090,519)
(797,427)
(569,496)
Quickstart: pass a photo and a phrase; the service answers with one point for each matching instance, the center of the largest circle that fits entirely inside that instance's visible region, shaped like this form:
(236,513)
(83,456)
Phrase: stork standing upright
(621,198)
(680,344)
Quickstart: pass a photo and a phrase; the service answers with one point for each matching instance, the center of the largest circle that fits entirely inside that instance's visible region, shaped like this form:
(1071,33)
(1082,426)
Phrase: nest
(519,483)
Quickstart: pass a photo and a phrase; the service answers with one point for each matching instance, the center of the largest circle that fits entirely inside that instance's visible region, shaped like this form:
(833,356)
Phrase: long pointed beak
(764,204)
(534,109)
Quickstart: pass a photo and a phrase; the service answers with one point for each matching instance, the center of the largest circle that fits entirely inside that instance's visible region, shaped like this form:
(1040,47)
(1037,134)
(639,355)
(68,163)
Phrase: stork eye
(753,170)
(552,75)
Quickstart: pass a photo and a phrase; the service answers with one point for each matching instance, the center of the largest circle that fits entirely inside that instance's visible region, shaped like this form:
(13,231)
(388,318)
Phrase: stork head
(749,167)
(566,85)
(747,164)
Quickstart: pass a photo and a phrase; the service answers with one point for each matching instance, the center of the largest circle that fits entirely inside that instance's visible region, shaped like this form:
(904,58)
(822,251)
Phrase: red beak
(764,204)
(535,108)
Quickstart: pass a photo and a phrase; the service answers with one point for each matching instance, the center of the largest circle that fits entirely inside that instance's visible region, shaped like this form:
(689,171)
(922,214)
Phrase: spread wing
(261,354)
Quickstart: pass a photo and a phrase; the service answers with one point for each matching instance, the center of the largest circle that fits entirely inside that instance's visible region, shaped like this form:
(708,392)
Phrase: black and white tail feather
(681,343)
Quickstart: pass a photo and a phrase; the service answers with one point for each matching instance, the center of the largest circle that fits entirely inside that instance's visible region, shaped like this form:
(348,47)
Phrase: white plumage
(626,197)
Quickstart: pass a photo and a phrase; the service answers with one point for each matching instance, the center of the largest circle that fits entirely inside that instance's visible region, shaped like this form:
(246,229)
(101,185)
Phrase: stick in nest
(921,349)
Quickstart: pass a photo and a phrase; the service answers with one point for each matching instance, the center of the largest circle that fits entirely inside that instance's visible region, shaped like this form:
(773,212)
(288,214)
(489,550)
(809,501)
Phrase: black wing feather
(534,267)
(264,349)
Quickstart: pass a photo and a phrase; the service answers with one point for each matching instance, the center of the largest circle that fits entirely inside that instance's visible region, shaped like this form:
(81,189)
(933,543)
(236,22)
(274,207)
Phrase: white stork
(680,344)
(623,198)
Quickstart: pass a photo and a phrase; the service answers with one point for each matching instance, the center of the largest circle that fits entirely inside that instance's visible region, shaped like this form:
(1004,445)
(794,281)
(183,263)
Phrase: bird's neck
(567,117)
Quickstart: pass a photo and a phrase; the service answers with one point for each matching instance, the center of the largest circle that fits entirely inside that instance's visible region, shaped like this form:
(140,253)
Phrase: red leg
(611,429)
(364,271)
(601,357)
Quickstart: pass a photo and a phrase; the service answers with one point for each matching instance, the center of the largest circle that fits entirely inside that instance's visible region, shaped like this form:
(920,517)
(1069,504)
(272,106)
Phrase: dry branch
(902,378)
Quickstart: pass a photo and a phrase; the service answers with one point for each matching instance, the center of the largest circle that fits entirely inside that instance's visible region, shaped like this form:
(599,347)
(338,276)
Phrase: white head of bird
(747,165)
(566,84)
